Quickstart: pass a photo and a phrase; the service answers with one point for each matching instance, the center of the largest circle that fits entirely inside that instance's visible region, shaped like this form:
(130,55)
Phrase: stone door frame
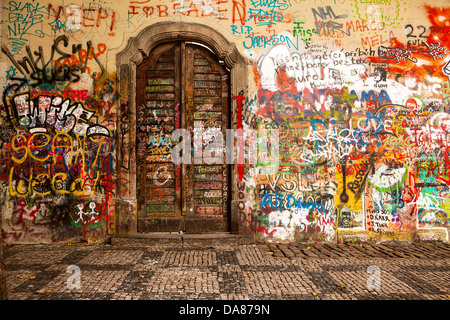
(127,61)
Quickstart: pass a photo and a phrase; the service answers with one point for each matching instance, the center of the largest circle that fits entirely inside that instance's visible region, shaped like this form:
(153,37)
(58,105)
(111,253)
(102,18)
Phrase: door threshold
(186,235)
(170,237)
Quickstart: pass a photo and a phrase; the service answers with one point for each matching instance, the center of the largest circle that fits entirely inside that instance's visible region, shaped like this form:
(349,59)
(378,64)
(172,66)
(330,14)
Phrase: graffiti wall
(358,92)
(57,129)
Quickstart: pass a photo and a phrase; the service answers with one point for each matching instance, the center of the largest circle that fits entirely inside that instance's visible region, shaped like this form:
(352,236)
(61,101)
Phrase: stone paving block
(70,296)
(438,277)
(37,283)
(216,272)
(299,256)
(276,282)
(17,278)
(176,279)
(189,257)
(444,247)
(327,253)
(323,281)
(428,250)
(30,266)
(234,296)
(105,257)
(384,250)
(419,284)
(135,281)
(335,250)
(394,296)
(356,250)
(435,297)
(232,282)
(288,253)
(226,258)
(338,296)
(36,256)
(74,257)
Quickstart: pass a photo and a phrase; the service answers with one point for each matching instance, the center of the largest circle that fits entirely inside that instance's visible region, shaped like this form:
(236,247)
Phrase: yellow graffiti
(18,148)
(36,182)
(31,140)
(19,185)
(23,148)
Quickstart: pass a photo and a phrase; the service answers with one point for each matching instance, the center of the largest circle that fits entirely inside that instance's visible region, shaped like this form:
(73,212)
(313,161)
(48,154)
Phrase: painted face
(346,218)
(387,184)
(387,178)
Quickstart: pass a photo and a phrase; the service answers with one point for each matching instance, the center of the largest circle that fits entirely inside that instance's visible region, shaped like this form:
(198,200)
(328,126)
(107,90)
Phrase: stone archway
(132,56)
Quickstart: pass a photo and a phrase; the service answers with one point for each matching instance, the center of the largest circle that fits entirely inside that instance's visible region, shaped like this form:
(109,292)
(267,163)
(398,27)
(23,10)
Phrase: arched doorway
(182,85)
(201,66)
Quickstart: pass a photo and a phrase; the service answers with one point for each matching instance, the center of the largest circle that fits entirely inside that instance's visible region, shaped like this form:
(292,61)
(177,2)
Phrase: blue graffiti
(20,21)
(282,202)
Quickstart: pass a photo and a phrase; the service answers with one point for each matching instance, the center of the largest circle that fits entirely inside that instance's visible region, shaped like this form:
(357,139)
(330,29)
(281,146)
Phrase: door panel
(182,85)
(158,97)
(207,97)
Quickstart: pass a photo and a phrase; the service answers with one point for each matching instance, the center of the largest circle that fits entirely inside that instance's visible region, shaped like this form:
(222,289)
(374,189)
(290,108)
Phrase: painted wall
(357,89)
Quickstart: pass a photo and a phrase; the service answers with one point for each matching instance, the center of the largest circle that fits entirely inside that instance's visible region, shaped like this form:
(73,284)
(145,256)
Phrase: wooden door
(182,85)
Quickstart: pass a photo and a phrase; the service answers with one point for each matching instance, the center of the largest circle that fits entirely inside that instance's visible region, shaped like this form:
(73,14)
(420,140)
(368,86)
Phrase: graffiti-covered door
(182,85)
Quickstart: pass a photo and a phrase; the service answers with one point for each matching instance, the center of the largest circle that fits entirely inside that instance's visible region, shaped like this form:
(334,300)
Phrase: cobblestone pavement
(226,271)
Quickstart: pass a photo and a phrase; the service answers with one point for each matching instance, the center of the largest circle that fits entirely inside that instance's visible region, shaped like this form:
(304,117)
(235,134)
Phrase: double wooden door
(181,85)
